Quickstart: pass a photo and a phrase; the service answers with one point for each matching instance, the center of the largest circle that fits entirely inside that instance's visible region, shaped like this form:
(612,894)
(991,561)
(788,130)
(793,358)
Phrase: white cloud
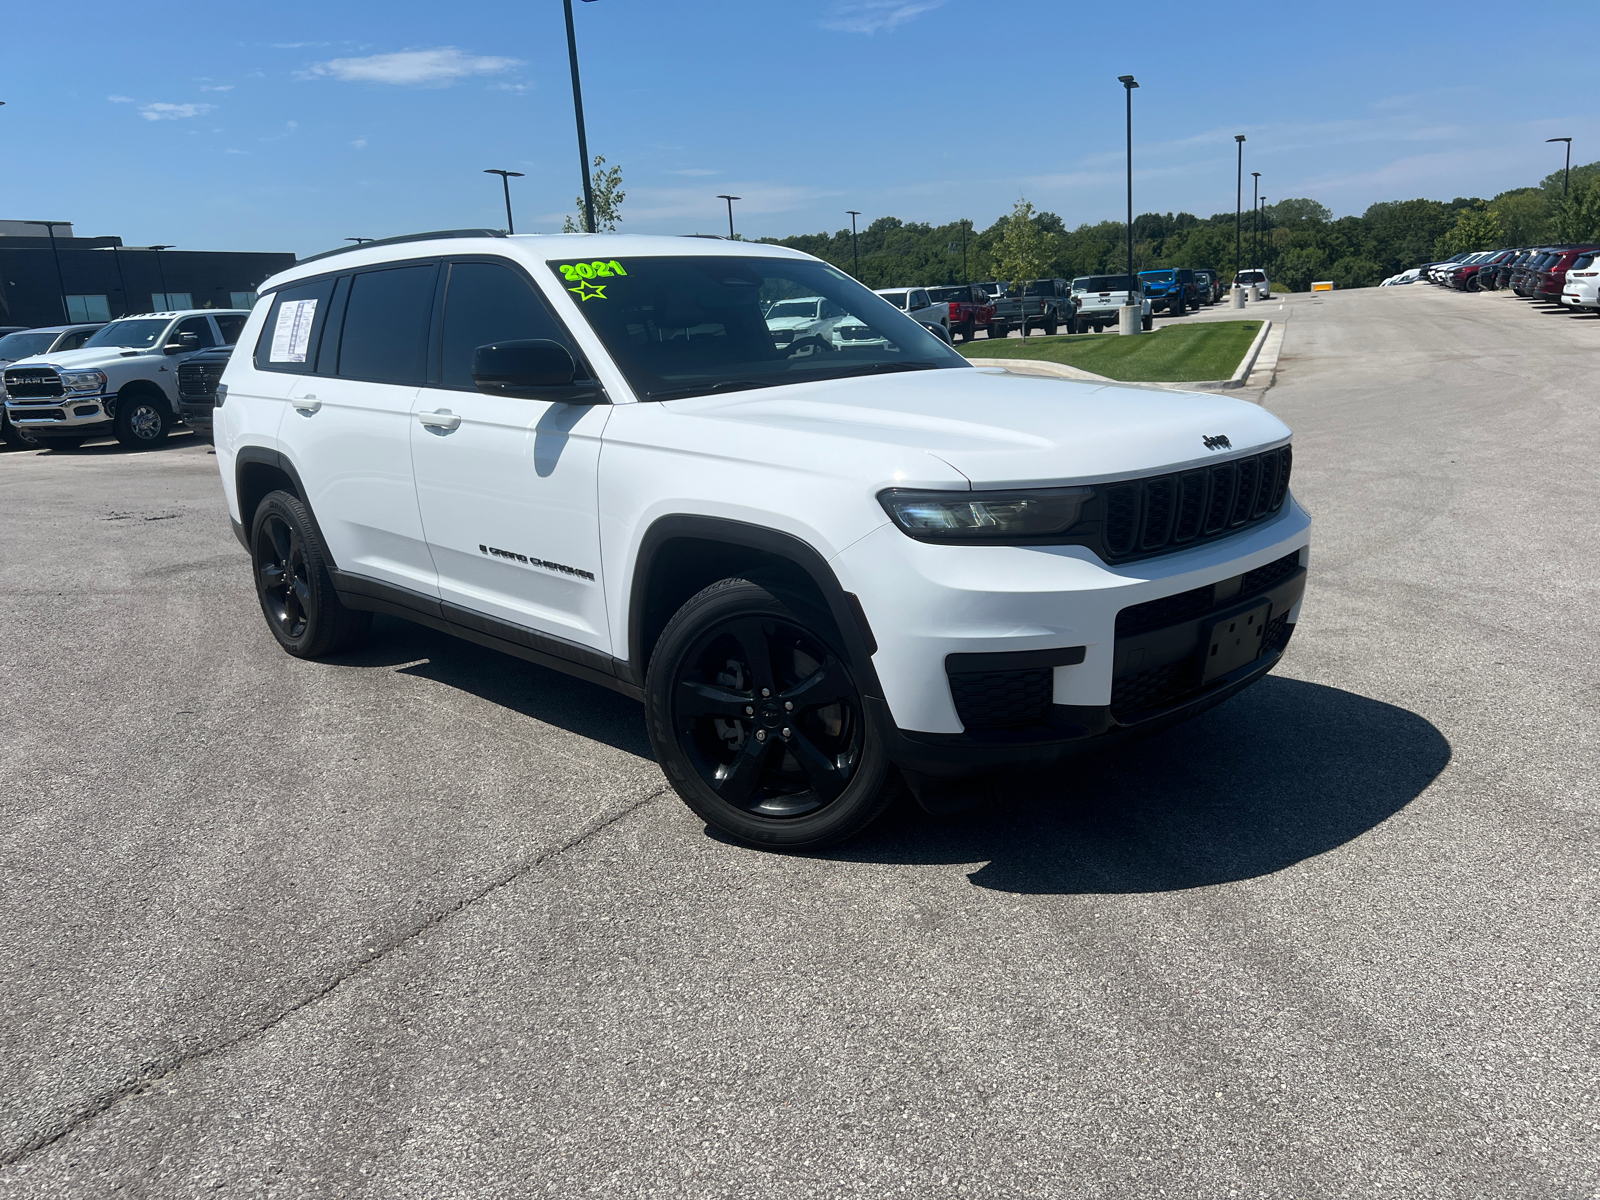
(120,99)
(173,112)
(410,68)
(288,128)
(876,16)
(236,152)
(519,88)
(360,143)
(220,87)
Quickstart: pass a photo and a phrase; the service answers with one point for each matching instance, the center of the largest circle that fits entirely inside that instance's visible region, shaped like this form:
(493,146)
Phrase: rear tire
(142,421)
(758,722)
(1051,325)
(1148,323)
(998,330)
(964,331)
(296,592)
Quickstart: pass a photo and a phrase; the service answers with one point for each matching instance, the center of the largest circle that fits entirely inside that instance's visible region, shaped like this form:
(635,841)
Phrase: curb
(1242,373)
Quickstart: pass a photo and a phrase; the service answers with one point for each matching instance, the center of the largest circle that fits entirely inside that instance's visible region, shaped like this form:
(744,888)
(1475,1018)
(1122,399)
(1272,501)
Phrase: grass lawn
(1173,354)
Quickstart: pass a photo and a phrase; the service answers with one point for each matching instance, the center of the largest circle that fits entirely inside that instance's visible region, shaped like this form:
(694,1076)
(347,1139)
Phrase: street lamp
(1238,208)
(577,108)
(855,253)
(166,300)
(965,276)
(50,227)
(505,179)
(1128,84)
(1255,217)
(1567,178)
(730,200)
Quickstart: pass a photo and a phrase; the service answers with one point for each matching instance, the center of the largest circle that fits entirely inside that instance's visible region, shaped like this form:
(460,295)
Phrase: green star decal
(590,291)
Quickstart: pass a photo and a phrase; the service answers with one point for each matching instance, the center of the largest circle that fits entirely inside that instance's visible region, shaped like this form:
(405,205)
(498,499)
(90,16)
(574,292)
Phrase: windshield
(1042,287)
(137,335)
(1100,283)
(794,308)
(692,325)
(24,345)
(1156,276)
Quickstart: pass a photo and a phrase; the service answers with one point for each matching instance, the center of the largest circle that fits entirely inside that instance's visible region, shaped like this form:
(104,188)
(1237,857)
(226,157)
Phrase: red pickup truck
(970,307)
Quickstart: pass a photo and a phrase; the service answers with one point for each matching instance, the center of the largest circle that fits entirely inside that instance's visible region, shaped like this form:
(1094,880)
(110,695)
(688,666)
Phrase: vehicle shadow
(108,447)
(1285,771)
(533,691)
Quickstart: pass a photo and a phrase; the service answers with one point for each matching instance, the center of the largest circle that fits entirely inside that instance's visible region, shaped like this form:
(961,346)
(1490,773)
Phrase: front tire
(1148,324)
(142,421)
(293,585)
(17,439)
(758,723)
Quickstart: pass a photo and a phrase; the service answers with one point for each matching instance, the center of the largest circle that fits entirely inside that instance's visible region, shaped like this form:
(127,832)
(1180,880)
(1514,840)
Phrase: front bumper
(72,415)
(196,414)
(959,630)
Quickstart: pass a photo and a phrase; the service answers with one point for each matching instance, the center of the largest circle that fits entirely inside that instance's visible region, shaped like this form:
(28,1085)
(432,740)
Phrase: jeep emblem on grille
(1219,442)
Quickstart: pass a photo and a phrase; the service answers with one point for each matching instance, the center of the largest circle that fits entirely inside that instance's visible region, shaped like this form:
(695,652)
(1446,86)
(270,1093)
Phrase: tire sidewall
(863,798)
(124,423)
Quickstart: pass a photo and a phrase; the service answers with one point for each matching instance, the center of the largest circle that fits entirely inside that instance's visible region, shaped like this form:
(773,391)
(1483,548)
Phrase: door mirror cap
(534,369)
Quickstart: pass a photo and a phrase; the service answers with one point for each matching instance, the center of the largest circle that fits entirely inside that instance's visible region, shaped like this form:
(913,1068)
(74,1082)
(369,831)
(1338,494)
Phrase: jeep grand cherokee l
(824,567)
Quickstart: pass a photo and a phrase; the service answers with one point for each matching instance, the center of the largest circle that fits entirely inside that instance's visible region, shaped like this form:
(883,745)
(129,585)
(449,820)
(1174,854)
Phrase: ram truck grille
(31,383)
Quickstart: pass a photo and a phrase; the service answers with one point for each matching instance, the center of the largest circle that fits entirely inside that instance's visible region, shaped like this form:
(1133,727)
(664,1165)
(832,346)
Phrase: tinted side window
(198,326)
(73,340)
(486,303)
(386,324)
(231,325)
(289,337)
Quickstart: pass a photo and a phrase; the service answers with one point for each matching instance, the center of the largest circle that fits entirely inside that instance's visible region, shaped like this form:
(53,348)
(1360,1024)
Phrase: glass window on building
(242,299)
(171,301)
(83,309)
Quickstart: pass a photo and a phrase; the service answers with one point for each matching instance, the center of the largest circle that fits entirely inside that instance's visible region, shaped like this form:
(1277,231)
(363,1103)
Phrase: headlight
(985,516)
(80,382)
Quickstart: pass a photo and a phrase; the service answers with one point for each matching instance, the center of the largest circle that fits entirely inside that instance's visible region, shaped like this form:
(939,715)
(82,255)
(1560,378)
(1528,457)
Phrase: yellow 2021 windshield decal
(581,274)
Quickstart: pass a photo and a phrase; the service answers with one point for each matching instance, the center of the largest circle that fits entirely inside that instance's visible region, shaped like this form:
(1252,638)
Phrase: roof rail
(407,237)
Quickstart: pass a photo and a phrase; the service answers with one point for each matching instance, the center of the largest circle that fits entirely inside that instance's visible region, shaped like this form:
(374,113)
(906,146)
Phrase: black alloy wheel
(142,421)
(297,596)
(759,723)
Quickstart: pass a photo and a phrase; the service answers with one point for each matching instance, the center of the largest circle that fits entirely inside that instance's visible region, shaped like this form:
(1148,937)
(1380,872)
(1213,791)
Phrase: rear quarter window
(293,328)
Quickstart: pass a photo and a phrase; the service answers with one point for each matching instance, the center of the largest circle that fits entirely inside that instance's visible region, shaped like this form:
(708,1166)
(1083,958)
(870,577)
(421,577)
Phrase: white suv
(123,381)
(824,568)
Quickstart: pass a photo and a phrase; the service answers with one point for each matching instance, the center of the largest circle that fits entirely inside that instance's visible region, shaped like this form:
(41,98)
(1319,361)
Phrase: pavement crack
(159,1071)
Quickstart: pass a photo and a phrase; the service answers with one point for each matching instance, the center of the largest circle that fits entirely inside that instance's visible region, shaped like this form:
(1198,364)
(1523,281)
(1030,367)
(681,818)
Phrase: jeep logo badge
(1219,442)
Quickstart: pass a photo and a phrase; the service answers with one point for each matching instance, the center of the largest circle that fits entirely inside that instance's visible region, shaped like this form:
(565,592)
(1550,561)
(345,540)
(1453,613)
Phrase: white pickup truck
(122,382)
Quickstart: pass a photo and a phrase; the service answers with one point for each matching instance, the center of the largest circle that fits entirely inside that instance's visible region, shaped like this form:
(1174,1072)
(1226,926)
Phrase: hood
(78,360)
(995,429)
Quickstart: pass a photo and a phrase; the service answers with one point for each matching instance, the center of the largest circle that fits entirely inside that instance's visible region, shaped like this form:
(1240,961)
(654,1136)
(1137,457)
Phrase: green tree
(1297,268)
(608,197)
(1577,218)
(1022,252)
(1476,228)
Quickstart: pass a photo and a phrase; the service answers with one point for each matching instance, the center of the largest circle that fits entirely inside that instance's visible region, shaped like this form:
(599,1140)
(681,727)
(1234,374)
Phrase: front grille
(24,383)
(1155,687)
(1168,610)
(1264,577)
(1143,517)
(199,381)
(1003,699)
(38,414)
(1277,634)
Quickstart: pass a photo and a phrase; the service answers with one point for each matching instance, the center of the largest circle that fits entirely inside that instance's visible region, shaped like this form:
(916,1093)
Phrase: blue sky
(293,125)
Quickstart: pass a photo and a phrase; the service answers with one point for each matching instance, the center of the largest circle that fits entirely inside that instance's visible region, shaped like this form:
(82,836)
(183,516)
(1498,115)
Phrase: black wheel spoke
(707,700)
(827,685)
(301,591)
(743,775)
(272,577)
(751,634)
(278,535)
(826,778)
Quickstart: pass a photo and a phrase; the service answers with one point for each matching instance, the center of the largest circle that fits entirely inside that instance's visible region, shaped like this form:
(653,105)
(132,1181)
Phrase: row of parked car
(136,378)
(1089,302)
(1558,274)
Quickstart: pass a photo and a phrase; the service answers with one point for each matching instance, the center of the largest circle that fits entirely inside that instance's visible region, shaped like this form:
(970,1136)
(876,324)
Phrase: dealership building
(48,280)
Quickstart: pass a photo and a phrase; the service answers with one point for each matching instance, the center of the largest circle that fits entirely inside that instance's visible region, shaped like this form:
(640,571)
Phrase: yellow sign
(1325,285)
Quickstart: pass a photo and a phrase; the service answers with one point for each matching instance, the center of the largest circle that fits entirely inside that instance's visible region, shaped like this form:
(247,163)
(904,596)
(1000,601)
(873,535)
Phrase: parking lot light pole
(855,252)
(1131,311)
(730,200)
(966,276)
(577,108)
(50,227)
(166,300)
(1567,178)
(505,179)
(1238,227)
(1255,217)
(1265,246)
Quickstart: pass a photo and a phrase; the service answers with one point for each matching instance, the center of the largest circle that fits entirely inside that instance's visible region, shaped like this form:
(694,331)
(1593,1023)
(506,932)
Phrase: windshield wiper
(723,385)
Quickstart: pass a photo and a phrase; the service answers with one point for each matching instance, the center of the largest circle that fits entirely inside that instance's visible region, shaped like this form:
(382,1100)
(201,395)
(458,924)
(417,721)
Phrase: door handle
(443,419)
(306,404)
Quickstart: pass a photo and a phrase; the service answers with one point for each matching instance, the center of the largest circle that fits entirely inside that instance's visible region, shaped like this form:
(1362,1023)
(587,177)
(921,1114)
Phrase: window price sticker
(292,335)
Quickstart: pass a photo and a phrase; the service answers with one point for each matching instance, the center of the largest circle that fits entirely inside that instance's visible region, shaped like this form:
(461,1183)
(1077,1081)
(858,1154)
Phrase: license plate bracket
(1235,642)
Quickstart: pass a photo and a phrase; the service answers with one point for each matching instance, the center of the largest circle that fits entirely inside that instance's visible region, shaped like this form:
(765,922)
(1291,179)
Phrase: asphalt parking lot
(426,922)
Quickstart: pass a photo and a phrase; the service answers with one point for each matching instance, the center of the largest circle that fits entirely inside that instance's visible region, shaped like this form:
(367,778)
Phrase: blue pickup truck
(1171,290)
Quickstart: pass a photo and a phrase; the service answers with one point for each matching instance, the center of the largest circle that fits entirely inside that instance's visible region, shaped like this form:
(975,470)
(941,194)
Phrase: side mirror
(184,341)
(535,369)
